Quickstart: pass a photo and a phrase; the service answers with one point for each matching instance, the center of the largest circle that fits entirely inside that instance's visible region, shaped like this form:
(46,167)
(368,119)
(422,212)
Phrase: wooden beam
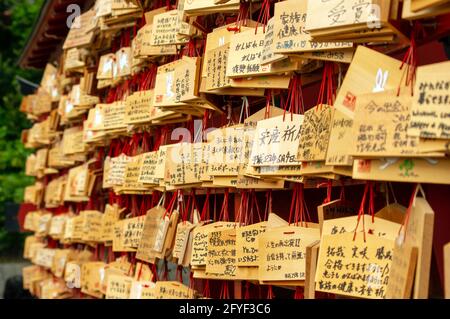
(447,270)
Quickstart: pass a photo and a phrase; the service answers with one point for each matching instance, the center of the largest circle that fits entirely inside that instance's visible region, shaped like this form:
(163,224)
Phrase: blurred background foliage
(17,18)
